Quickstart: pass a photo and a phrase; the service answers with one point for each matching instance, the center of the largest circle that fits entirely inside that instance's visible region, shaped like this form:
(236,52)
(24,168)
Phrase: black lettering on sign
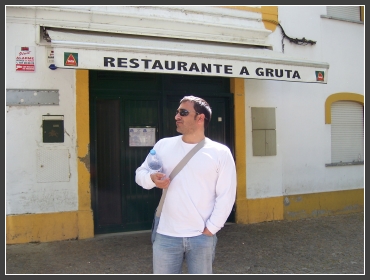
(194,66)
(109,60)
(207,68)
(218,66)
(244,70)
(296,75)
(278,73)
(121,62)
(134,63)
(269,72)
(259,72)
(181,66)
(173,65)
(228,69)
(157,64)
(146,63)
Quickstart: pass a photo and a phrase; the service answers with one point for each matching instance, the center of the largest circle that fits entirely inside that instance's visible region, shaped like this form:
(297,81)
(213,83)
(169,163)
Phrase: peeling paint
(318,212)
(86,159)
(286,201)
(296,214)
(352,207)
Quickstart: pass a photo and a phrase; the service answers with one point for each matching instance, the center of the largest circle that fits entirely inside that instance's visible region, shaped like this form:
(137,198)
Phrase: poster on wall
(142,136)
(25,59)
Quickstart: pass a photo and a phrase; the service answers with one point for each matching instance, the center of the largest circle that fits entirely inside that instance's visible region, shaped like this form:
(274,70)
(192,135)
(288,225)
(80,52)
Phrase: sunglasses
(184,112)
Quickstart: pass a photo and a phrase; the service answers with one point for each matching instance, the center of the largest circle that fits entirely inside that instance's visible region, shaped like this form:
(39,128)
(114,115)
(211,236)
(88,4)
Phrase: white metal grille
(344,12)
(347,132)
(52,165)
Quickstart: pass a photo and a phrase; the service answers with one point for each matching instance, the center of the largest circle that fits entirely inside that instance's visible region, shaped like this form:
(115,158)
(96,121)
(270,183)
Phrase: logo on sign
(319,75)
(70,59)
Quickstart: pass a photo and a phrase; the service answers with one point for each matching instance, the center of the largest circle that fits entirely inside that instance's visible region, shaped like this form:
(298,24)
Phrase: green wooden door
(120,101)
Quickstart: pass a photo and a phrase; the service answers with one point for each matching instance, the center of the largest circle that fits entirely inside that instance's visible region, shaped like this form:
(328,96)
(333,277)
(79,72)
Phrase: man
(199,199)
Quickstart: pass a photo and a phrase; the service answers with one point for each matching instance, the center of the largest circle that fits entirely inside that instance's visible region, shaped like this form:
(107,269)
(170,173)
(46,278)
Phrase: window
(347,128)
(347,13)
(347,132)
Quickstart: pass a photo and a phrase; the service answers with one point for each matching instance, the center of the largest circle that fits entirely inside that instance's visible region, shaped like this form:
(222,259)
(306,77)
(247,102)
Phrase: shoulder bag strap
(177,169)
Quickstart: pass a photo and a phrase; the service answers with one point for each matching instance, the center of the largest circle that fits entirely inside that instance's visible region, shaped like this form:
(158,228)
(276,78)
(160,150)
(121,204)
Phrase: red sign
(25,59)
(319,75)
(70,59)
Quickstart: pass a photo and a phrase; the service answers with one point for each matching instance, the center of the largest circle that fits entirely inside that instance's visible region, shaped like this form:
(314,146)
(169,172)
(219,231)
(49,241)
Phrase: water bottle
(154,162)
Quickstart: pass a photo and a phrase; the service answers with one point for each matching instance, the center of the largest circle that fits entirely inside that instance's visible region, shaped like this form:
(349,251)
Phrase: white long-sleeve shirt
(201,195)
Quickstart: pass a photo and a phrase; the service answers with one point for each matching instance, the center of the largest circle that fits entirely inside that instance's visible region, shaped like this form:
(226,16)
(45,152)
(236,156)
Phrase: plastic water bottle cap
(152,152)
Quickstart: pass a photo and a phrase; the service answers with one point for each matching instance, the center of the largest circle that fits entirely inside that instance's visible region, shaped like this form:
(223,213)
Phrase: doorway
(120,101)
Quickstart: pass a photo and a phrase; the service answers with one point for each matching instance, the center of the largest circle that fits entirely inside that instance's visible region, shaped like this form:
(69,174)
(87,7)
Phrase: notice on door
(142,136)
(25,59)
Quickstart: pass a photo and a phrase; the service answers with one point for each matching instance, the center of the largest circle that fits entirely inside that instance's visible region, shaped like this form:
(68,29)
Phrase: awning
(107,51)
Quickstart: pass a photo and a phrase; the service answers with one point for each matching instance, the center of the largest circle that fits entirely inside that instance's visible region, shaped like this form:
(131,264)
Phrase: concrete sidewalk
(325,245)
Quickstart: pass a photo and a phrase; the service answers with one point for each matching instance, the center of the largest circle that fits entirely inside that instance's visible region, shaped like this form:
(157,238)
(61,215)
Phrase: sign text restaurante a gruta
(247,70)
(267,69)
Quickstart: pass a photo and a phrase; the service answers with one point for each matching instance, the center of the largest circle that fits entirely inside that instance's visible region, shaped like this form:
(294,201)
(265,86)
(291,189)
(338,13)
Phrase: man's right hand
(160,180)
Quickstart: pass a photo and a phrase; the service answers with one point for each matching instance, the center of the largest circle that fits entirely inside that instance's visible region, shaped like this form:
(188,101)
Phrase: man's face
(186,124)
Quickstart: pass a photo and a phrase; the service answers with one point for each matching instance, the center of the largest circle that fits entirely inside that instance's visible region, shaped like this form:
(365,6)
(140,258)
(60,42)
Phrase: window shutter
(344,12)
(347,132)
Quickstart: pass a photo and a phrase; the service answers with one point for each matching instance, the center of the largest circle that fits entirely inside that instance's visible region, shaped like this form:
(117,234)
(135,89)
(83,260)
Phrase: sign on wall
(248,68)
(70,59)
(142,136)
(25,59)
(49,56)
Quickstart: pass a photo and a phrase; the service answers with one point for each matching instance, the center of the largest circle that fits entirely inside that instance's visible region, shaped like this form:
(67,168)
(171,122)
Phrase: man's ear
(201,117)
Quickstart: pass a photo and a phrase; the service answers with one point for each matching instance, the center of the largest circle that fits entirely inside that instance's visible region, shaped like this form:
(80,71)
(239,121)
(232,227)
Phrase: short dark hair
(200,106)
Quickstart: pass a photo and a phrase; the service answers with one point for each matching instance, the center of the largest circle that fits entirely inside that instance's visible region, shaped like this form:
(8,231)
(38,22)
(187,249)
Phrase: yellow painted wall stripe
(264,210)
(269,14)
(340,97)
(41,227)
(67,225)
(237,89)
(270,17)
(323,204)
(85,221)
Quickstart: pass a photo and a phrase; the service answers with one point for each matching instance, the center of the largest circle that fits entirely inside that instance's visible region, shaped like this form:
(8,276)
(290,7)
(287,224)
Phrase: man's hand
(160,180)
(207,232)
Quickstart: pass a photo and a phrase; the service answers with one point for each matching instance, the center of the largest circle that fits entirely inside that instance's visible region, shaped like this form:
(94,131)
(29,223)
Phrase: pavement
(322,245)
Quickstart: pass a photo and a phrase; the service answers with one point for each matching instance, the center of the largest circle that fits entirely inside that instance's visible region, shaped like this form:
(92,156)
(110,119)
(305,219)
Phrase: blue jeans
(154,227)
(170,252)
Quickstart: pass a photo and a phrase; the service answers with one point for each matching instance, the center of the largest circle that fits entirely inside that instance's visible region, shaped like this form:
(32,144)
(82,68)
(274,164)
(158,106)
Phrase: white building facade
(296,129)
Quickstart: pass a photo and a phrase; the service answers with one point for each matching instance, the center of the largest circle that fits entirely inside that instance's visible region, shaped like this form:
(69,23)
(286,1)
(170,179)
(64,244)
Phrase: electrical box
(53,129)
(263,131)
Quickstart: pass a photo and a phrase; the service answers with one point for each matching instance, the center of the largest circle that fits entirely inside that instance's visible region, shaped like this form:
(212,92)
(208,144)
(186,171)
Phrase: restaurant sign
(249,68)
